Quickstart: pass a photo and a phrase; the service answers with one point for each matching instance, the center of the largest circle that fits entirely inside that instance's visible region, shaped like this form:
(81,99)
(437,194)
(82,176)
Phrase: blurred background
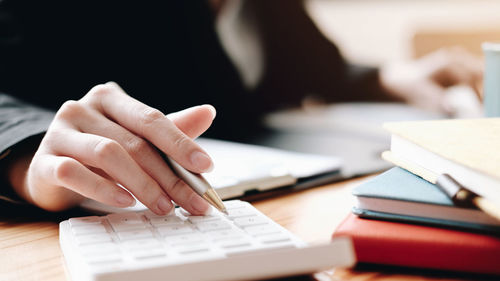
(374,31)
(371,33)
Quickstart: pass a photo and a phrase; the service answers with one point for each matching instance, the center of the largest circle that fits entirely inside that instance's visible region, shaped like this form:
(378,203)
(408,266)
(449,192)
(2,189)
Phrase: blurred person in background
(66,136)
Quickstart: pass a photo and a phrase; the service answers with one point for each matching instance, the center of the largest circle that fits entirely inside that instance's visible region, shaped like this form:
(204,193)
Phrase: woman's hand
(108,138)
(423,82)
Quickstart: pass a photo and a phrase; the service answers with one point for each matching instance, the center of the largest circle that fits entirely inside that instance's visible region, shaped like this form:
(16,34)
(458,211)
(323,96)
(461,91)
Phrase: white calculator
(141,245)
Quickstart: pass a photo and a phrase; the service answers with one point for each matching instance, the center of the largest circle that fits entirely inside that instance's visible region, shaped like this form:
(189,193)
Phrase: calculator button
(124,221)
(235,242)
(88,229)
(84,221)
(264,229)
(125,217)
(195,219)
(175,229)
(193,249)
(135,234)
(92,238)
(240,212)
(142,244)
(250,221)
(167,220)
(148,253)
(223,235)
(212,225)
(183,239)
(149,214)
(274,238)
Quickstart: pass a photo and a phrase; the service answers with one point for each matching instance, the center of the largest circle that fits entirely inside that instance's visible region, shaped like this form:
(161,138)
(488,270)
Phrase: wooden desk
(30,248)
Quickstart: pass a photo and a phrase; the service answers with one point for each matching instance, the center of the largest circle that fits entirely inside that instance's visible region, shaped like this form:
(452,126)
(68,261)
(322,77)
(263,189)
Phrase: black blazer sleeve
(19,121)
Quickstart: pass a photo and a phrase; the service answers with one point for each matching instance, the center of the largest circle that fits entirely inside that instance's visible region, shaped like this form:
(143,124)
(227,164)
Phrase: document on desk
(244,168)
(353,130)
(241,168)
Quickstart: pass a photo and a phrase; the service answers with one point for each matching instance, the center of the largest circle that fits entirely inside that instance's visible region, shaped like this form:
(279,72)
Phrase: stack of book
(402,217)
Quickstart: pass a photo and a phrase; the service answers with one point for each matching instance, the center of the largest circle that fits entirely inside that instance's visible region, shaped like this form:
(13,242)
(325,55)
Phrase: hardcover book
(400,195)
(400,244)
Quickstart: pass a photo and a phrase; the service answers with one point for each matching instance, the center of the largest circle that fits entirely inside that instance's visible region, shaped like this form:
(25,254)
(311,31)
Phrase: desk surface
(30,250)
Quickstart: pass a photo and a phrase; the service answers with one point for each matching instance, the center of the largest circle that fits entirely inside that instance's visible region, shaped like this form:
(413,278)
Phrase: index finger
(149,123)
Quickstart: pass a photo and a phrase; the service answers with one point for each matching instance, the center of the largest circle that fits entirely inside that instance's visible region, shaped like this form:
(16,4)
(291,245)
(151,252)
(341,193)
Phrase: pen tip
(225,212)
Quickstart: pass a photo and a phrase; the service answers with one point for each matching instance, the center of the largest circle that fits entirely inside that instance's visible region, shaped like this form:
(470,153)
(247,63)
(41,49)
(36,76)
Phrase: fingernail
(164,205)
(200,205)
(214,112)
(202,161)
(124,200)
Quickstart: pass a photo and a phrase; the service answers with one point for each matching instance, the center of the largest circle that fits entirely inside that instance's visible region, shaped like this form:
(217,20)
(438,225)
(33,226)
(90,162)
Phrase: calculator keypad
(133,237)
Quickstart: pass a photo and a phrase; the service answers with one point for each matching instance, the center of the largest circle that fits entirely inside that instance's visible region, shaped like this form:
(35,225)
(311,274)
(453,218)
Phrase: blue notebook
(402,196)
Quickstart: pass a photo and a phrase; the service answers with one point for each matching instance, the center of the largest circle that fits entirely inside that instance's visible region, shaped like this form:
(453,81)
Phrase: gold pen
(199,184)
(463,197)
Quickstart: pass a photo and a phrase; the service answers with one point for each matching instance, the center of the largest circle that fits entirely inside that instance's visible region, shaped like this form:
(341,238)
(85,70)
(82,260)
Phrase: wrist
(17,170)
(392,78)
(15,166)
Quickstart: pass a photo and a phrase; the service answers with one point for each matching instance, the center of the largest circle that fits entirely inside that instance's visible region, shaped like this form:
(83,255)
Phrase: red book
(392,243)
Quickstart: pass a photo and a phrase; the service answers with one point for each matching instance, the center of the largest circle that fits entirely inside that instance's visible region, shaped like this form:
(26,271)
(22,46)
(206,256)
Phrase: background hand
(423,82)
(108,138)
